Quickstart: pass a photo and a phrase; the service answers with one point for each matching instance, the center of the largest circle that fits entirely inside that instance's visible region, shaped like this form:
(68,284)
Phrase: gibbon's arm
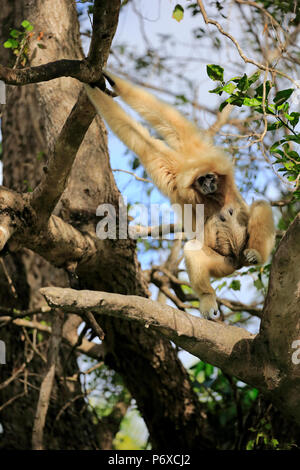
(198,161)
(261,231)
(160,161)
(170,124)
(201,265)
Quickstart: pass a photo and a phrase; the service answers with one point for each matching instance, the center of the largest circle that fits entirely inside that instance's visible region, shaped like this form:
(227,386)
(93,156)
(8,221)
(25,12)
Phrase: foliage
(18,41)
(240,416)
(247,91)
(178,13)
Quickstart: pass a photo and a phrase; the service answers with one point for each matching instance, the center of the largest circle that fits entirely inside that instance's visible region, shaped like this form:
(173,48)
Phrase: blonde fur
(189,169)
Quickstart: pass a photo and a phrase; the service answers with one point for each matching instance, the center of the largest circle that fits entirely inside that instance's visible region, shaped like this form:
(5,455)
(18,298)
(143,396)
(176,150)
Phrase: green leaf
(274,125)
(11,43)
(293,118)
(14,33)
(181,98)
(254,77)
(178,12)
(282,96)
(293,154)
(235,285)
(293,138)
(218,90)
(260,89)
(243,83)
(251,102)
(229,88)
(289,165)
(283,107)
(215,72)
(236,100)
(222,105)
(258,284)
(27,25)
(253,393)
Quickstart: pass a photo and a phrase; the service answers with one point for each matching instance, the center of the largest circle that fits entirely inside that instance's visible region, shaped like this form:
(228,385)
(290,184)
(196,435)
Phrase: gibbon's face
(226,232)
(207,184)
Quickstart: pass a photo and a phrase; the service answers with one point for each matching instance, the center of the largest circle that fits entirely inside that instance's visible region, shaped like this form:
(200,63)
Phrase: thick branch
(280,319)
(58,242)
(105,20)
(49,191)
(54,181)
(227,347)
(42,73)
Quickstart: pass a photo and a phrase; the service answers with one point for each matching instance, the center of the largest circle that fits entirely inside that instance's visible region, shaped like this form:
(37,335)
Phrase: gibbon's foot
(252,256)
(208,306)
(208,183)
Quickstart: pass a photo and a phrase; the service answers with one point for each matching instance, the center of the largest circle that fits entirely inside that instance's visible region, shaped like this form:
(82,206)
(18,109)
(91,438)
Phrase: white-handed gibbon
(189,169)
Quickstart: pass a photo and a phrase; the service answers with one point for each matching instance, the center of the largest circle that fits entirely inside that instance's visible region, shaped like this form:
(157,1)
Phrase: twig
(239,49)
(13,376)
(11,400)
(34,348)
(9,280)
(47,383)
(95,325)
(138,178)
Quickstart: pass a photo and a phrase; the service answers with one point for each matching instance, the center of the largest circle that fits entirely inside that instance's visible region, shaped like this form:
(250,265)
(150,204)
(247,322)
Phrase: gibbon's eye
(221,217)
(230,211)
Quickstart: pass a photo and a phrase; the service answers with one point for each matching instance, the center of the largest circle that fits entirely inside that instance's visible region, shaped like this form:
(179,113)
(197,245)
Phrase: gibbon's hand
(208,306)
(252,256)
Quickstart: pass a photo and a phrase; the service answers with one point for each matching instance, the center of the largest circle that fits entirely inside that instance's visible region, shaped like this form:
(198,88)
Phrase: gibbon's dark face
(208,183)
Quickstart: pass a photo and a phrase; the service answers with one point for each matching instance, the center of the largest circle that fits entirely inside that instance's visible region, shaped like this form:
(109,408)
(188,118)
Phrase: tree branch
(227,347)
(47,383)
(54,181)
(42,73)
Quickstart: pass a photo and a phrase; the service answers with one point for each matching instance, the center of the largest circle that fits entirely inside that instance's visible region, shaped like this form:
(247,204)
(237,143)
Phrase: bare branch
(47,383)
(239,49)
(54,181)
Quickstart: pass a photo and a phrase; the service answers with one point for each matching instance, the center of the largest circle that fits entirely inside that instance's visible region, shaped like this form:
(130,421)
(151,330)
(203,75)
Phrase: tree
(56,173)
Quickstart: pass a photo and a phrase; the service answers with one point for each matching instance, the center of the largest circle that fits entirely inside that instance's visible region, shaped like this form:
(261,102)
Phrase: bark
(147,362)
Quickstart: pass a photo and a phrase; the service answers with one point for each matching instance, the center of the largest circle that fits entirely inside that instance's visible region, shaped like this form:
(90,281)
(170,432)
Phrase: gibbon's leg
(159,160)
(170,124)
(201,265)
(261,231)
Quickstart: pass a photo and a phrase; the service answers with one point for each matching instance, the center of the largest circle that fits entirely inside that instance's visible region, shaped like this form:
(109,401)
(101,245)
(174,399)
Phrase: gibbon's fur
(189,169)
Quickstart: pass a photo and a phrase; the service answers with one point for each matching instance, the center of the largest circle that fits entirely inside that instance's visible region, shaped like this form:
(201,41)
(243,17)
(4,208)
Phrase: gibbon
(189,169)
